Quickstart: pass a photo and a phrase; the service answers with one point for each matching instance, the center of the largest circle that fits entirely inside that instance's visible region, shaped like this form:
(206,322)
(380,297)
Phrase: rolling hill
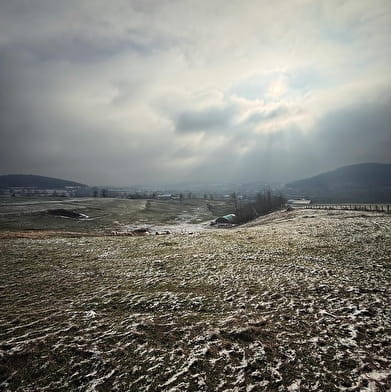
(364,183)
(29,180)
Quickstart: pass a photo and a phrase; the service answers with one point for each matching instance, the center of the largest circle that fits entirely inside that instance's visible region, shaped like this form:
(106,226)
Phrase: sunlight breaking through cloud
(112,93)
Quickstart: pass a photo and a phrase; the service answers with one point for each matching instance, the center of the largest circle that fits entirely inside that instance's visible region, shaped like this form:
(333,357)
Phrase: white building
(297,203)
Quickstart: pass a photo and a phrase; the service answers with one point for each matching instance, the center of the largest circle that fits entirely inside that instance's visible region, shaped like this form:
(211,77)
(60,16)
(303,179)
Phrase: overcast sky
(124,92)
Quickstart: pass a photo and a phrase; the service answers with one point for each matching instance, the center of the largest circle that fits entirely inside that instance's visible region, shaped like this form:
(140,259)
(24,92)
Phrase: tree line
(264,203)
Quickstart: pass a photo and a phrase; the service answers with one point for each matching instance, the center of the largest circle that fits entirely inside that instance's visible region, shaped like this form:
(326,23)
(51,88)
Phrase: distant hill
(29,180)
(363,183)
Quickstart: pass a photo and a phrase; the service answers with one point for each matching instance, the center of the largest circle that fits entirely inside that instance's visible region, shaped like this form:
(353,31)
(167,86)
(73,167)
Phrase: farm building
(298,202)
(230,218)
(164,197)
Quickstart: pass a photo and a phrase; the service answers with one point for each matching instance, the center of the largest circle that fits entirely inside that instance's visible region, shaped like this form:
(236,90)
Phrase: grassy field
(105,214)
(298,301)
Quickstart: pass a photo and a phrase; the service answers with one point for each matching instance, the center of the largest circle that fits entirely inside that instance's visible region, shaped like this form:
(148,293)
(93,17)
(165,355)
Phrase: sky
(174,91)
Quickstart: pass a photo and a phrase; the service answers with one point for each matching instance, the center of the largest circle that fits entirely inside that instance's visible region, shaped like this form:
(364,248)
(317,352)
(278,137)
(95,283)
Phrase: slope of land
(300,303)
(29,180)
(367,182)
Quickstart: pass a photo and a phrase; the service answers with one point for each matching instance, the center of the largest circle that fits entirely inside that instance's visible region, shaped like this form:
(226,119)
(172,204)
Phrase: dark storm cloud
(78,31)
(222,119)
(209,119)
(41,133)
(79,50)
(357,133)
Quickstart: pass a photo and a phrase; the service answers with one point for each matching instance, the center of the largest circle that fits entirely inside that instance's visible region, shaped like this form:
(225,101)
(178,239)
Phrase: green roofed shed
(230,218)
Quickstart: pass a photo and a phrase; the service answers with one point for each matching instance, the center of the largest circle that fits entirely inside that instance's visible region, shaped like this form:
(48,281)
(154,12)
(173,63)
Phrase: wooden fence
(385,208)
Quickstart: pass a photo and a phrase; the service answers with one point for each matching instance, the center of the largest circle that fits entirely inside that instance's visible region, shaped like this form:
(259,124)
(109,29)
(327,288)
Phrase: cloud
(205,120)
(139,91)
(273,113)
(359,132)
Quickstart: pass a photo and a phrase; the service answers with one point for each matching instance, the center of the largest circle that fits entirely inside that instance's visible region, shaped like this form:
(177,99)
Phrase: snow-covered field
(300,302)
